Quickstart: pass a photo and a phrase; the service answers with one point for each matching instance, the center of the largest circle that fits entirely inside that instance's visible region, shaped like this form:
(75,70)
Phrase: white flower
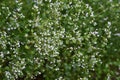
(117,34)
(92,14)
(94,23)
(109,23)
(110,0)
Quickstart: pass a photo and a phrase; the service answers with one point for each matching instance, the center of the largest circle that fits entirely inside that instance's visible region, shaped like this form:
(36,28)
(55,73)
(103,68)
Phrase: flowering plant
(55,39)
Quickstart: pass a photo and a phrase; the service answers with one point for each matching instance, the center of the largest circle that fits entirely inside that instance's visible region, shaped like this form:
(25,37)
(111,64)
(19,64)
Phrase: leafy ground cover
(59,40)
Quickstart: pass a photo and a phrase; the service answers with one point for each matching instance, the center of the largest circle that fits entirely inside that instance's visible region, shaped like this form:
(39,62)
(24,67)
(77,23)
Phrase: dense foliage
(111,59)
(59,39)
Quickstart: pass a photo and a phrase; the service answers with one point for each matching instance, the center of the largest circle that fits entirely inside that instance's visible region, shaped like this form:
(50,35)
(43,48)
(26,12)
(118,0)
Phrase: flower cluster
(56,38)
